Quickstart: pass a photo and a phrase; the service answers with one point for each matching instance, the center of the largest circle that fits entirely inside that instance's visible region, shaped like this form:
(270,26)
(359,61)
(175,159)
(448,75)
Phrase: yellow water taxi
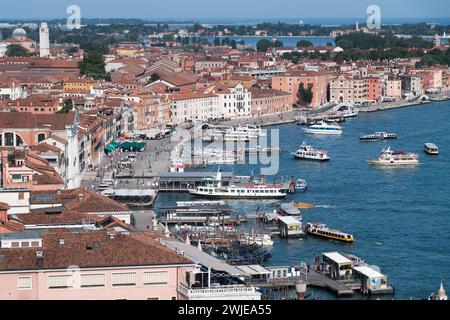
(322,230)
(303,205)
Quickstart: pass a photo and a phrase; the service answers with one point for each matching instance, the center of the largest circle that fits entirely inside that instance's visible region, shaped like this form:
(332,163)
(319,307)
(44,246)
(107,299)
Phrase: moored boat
(301,185)
(214,189)
(321,230)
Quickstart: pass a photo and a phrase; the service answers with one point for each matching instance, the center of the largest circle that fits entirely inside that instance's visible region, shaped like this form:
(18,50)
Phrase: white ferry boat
(251,130)
(324,128)
(378,136)
(239,133)
(395,158)
(200,203)
(214,189)
(259,149)
(306,152)
(346,111)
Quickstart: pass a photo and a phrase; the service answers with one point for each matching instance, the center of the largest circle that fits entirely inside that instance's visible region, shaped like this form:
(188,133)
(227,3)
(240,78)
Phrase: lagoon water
(287,41)
(400,217)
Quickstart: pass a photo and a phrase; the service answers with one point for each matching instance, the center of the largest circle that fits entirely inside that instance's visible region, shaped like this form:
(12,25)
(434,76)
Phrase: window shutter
(24,283)
(157,277)
(60,281)
(93,280)
(124,279)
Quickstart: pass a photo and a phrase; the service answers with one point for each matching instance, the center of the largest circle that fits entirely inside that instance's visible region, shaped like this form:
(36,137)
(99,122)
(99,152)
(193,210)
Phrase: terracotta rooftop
(90,249)
(81,200)
(28,120)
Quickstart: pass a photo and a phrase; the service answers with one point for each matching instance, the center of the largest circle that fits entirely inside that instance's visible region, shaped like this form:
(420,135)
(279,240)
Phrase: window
(60,282)
(93,280)
(24,283)
(41,137)
(157,277)
(153,298)
(21,196)
(123,279)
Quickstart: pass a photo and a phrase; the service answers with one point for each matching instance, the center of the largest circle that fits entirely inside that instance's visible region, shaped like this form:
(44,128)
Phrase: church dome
(19,33)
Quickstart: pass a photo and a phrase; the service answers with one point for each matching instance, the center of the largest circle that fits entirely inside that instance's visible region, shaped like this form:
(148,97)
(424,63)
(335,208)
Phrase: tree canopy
(265,44)
(93,65)
(304,43)
(305,95)
(16,50)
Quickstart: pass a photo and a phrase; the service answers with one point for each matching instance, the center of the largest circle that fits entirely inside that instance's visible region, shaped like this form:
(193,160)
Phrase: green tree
(68,106)
(304,43)
(304,95)
(16,50)
(93,65)
(265,44)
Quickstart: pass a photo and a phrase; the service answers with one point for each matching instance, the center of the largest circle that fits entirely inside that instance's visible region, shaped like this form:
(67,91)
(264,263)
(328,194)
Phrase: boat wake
(326,206)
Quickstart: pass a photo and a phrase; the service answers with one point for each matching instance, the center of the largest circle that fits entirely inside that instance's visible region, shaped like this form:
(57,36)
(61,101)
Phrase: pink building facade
(134,283)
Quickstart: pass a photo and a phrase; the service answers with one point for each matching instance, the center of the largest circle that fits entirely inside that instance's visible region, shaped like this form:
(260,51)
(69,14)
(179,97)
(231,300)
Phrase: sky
(213,9)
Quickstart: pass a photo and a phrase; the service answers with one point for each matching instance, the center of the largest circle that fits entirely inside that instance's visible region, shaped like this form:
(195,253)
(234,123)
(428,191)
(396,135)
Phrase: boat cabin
(338,266)
(290,227)
(372,280)
(288,209)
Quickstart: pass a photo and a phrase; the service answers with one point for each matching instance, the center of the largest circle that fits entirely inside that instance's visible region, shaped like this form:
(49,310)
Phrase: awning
(110,148)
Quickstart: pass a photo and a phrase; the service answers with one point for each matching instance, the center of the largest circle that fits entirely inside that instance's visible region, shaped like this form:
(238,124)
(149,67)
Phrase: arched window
(9,139)
(19,141)
(41,137)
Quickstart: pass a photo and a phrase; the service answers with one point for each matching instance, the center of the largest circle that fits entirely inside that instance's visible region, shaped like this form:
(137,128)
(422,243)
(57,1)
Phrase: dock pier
(319,280)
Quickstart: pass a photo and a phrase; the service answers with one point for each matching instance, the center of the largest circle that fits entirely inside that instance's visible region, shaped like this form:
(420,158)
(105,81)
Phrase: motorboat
(431,148)
(301,185)
(307,152)
(324,128)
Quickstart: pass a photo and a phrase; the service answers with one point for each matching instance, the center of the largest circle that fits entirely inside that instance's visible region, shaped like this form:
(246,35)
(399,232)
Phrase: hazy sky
(256,9)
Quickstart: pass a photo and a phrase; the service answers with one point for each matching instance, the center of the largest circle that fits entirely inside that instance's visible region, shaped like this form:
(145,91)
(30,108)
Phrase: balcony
(232,292)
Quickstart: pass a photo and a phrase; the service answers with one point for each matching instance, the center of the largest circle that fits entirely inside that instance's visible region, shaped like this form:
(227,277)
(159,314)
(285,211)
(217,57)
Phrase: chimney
(4,168)
(4,207)
(39,259)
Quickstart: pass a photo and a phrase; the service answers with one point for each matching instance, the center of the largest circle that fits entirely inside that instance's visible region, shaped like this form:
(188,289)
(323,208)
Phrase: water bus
(251,190)
(395,158)
(306,152)
(377,136)
(321,230)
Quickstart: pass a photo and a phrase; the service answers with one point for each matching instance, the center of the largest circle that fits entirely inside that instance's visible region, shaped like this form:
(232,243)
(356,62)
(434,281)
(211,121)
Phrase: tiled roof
(81,200)
(53,216)
(90,249)
(57,121)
